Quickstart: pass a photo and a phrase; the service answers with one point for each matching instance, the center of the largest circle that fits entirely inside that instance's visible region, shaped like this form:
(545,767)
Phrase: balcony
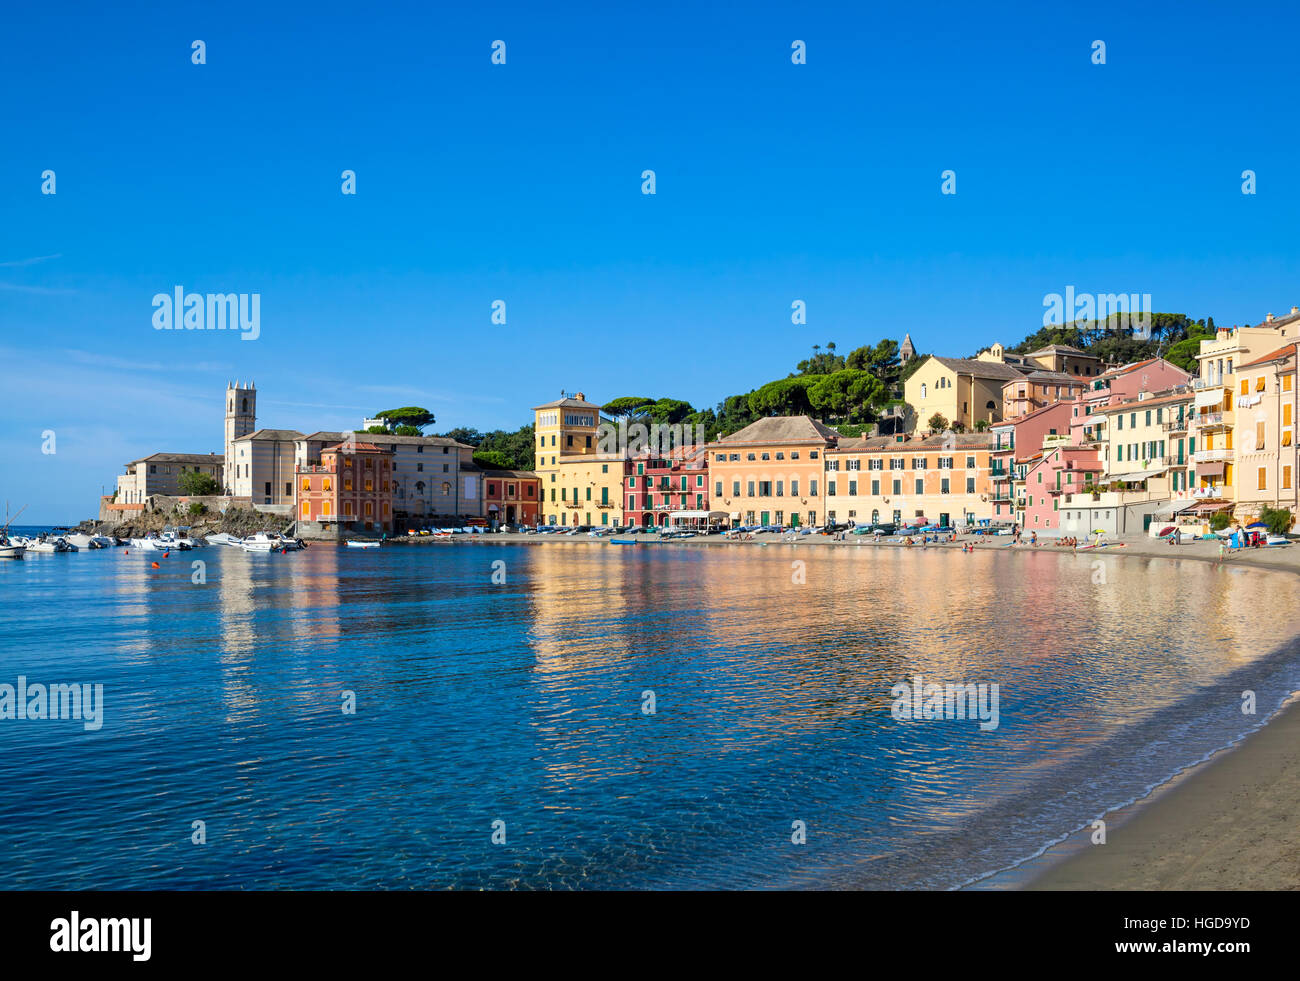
(1175,426)
(1210,456)
(1201,384)
(1211,420)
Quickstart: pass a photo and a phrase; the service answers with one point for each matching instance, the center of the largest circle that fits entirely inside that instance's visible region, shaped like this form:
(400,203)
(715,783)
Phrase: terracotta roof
(516,474)
(783,429)
(936,442)
(1278,355)
(1131,405)
(356,447)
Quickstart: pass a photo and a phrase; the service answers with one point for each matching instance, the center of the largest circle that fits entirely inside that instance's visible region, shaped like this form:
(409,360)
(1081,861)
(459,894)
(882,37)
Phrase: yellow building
(944,479)
(1219,392)
(580,485)
(1265,423)
(962,390)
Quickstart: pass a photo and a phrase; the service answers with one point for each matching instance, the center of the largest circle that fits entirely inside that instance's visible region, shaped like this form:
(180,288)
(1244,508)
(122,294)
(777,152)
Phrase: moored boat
(361,544)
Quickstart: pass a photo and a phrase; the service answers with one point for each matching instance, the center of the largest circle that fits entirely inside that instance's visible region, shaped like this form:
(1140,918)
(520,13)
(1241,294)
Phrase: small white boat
(82,540)
(292,544)
(222,538)
(10,550)
(50,546)
(357,544)
(262,542)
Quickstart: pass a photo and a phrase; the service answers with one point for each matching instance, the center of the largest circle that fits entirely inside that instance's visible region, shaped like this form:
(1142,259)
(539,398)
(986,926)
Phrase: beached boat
(622,541)
(358,544)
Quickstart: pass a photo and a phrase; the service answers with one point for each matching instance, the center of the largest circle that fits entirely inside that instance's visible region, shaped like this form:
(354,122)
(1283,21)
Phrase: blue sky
(522,182)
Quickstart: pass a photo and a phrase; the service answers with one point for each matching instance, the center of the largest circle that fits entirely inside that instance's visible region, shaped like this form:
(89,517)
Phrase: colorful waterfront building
(512,497)
(349,490)
(1017,444)
(1266,410)
(942,478)
(1059,474)
(435,480)
(1145,450)
(580,484)
(671,489)
(771,472)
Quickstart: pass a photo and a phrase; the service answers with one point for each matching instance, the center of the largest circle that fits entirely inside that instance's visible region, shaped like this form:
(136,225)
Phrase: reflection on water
(522,702)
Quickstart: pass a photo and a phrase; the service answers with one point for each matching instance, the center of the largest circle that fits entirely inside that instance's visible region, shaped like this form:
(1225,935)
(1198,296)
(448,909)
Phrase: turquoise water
(521,702)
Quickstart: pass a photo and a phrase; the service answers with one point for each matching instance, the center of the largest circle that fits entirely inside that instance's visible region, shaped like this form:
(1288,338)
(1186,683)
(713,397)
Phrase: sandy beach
(1228,824)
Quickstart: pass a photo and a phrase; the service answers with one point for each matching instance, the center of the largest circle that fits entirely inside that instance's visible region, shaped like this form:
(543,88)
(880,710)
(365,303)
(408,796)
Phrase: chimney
(1268,319)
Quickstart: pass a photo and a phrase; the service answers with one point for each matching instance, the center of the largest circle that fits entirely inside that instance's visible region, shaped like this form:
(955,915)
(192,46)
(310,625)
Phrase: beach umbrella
(1166,531)
(1257,524)
(1099,531)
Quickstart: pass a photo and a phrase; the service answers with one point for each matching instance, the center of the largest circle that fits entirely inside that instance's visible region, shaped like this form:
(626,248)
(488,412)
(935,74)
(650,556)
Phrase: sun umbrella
(1099,531)
(1166,531)
(1257,524)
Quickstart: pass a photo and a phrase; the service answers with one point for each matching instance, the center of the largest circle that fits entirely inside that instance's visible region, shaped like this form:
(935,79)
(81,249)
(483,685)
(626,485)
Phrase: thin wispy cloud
(37,290)
(32,261)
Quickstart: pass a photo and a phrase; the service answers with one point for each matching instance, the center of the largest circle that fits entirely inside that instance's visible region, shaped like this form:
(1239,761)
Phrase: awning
(1210,507)
(735,515)
(493,507)
(1171,508)
(1209,469)
(1136,474)
(1209,397)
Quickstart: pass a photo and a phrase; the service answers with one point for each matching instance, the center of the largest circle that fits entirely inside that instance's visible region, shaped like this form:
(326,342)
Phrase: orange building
(771,472)
(513,497)
(350,490)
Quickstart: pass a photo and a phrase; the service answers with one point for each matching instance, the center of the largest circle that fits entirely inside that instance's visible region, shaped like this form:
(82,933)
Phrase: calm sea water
(522,703)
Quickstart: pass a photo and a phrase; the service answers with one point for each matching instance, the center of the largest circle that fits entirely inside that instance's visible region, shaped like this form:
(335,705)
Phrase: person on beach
(1033,539)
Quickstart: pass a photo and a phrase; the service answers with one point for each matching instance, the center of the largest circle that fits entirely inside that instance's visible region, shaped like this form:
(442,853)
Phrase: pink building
(1062,469)
(1017,444)
(1152,375)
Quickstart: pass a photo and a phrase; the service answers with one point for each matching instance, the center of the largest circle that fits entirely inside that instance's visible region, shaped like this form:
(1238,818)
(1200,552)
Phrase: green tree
(783,397)
(463,434)
(937,423)
(409,415)
(195,484)
(493,460)
(822,362)
(847,393)
(1277,520)
(626,406)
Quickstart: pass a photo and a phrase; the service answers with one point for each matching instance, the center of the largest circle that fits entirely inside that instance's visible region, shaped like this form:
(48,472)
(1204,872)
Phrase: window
(735,488)
(812,489)
(1259,435)
(750,486)
(875,489)
(1263,478)
(1259,383)
(944,486)
(749,456)
(970,463)
(812,455)
(970,485)
(794,488)
(780,456)
(1286,478)
(920,485)
(766,456)
(898,487)
(1245,387)
(853,488)
(717,488)
(830,488)
(306,483)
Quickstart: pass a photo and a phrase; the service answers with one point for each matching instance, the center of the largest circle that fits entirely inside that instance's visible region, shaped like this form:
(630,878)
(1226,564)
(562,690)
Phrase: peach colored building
(772,472)
(1021,396)
(350,490)
(884,479)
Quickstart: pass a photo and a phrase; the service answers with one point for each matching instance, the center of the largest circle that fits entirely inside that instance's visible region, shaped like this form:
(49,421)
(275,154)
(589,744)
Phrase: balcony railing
(1175,426)
(1210,456)
(1212,419)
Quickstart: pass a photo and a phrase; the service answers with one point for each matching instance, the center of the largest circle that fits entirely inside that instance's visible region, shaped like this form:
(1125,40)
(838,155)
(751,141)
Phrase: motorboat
(223,538)
(11,550)
(82,540)
(360,544)
(50,546)
(262,542)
